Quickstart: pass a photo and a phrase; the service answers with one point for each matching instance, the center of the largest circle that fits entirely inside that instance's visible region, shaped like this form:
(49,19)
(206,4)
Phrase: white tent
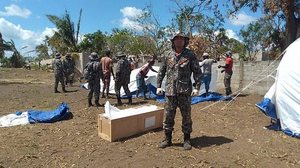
(282,101)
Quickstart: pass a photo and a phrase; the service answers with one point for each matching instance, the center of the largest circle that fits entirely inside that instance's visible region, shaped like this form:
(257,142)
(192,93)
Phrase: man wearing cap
(206,65)
(140,77)
(107,69)
(228,72)
(69,67)
(94,74)
(123,71)
(178,67)
(58,73)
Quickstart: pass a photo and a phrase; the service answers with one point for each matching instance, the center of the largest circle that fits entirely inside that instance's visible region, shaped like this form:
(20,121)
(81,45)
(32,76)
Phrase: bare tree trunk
(291,24)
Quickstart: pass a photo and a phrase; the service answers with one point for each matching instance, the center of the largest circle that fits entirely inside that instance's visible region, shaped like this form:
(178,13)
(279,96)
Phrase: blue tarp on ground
(212,96)
(60,113)
(268,108)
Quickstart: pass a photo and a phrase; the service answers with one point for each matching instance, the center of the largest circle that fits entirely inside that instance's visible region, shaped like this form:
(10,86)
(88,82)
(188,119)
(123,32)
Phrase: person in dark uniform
(58,73)
(94,73)
(123,70)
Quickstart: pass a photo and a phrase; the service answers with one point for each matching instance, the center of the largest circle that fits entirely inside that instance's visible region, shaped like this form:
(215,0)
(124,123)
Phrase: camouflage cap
(94,56)
(181,34)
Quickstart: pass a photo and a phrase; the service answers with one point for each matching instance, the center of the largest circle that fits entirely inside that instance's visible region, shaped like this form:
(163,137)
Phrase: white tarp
(285,93)
(112,112)
(152,79)
(13,120)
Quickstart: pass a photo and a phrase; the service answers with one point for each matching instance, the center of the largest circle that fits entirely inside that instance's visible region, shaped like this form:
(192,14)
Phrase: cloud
(22,36)
(241,19)
(41,36)
(131,24)
(12,31)
(231,34)
(14,10)
(130,14)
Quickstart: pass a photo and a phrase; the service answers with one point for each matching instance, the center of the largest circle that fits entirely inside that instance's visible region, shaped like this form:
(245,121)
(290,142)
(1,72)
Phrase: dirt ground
(233,137)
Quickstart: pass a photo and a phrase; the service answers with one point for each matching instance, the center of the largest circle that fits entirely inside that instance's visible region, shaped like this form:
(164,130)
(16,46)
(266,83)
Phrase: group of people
(63,71)
(206,65)
(103,68)
(177,67)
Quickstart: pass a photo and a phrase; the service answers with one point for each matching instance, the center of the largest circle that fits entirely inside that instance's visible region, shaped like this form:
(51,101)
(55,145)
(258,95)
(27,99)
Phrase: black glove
(219,66)
(222,71)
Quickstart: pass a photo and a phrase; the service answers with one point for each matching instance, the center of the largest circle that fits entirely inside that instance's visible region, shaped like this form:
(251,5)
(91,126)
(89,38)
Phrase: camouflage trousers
(59,78)
(118,86)
(69,78)
(182,101)
(227,82)
(94,86)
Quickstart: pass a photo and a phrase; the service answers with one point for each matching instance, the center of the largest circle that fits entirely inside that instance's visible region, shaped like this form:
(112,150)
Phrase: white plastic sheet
(287,89)
(13,120)
(112,112)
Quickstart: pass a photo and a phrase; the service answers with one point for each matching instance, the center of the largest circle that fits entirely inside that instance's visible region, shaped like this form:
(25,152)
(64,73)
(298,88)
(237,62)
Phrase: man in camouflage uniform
(69,66)
(58,73)
(95,73)
(123,71)
(178,66)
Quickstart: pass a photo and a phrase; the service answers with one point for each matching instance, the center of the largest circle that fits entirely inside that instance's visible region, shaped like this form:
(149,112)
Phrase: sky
(25,21)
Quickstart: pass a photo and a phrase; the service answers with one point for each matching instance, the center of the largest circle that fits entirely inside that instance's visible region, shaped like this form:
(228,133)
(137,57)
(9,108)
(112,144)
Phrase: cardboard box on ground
(116,124)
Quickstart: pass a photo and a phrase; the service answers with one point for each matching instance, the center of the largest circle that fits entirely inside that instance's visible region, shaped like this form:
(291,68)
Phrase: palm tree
(16,59)
(66,30)
(5,46)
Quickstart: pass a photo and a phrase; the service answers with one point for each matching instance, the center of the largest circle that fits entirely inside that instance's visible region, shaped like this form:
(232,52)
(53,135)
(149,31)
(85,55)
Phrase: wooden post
(241,74)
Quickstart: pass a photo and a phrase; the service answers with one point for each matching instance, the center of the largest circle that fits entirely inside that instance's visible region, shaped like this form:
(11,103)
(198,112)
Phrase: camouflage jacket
(178,71)
(69,65)
(94,70)
(123,70)
(57,66)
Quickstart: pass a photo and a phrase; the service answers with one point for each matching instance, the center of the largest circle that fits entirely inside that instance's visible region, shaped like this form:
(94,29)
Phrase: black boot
(64,89)
(167,141)
(130,101)
(187,142)
(119,101)
(90,102)
(97,103)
